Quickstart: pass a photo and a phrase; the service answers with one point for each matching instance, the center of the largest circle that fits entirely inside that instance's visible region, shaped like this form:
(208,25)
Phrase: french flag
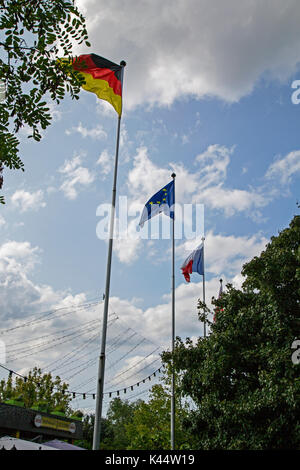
(194,263)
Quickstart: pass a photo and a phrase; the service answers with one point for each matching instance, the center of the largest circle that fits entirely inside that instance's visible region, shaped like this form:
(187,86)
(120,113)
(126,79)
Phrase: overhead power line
(77,349)
(85,394)
(69,338)
(45,316)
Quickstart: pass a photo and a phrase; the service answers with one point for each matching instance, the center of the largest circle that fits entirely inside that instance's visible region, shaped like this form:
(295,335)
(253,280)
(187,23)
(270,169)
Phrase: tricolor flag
(102,77)
(194,263)
(162,201)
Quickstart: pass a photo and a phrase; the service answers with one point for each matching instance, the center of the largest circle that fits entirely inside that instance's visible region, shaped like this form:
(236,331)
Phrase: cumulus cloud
(155,322)
(138,335)
(2,221)
(135,368)
(21,298)
(66,339)
(284,168)
(212,177)
(145,178)
(214,162)
(226,254)
(129,244)
(94,133)
(76,177)
(18,292)
(26,201)
(233,200)
(105,162)
(205,185)
(233,45)
(15,253)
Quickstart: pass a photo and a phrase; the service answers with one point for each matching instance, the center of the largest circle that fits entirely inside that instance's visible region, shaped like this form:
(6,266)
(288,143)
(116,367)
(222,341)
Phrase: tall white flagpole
(173,327)
(203,287)
(101,367)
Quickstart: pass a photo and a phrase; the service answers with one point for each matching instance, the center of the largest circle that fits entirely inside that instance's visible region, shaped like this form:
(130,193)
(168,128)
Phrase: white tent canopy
(19,444)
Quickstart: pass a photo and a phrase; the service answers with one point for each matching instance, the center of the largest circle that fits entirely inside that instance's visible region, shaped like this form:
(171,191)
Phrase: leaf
(35,66)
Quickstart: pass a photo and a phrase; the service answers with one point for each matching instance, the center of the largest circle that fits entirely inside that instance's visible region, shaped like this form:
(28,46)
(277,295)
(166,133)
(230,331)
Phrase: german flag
(102,77)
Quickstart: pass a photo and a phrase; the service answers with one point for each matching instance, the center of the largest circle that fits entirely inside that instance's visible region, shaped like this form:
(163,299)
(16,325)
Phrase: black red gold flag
(102,77)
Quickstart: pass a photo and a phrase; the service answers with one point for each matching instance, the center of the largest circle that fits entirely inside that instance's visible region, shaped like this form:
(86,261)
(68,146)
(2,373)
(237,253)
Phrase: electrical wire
(49,313)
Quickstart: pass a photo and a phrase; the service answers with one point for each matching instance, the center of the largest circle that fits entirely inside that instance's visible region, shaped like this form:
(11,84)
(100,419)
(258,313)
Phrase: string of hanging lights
(84,395)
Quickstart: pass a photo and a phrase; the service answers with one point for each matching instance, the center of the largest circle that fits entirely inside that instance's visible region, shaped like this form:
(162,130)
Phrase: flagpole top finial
(221,280)
(123,63)
(173,175)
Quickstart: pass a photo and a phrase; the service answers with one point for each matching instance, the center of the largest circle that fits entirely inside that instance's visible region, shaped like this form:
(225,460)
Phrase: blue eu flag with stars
(162,201)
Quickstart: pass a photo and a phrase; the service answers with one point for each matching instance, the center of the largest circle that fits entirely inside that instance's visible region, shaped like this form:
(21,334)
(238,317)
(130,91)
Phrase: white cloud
(105,162)
(26,201)
(54,110)
(185,139)
(132,368)
(125,144)
(140,331)
(225,254)
(284,168)
(233,200)
(212,176)
(155,322)
(20,296)
(2,221)
(51,189)
(71,301)
(224,257)
(233,45)
(94,133)
(104,108)
(70,165)
(76,177)
(214,162)
(15,253)
(205,185)
(145,178)
(17,259)
(128,246)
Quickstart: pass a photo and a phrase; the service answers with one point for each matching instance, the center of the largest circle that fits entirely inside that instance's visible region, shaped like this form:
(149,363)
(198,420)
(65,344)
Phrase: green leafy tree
(150,426)
(139,425)
(39,389)
(120,413)
(241,378)
(34,34)
(88,422)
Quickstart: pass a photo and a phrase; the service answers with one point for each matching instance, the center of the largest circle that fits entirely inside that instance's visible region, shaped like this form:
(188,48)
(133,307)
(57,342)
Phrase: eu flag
(162,201)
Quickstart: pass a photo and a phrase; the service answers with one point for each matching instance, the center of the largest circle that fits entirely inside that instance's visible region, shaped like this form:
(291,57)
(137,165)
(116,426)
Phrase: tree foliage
(120,414)
(150,426)
(88,422)
(39,389)
(140,425)
(34,34)
(241,378)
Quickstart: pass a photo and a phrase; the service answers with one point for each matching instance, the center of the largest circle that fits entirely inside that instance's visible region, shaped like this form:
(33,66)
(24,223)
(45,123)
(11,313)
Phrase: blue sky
(219,114)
